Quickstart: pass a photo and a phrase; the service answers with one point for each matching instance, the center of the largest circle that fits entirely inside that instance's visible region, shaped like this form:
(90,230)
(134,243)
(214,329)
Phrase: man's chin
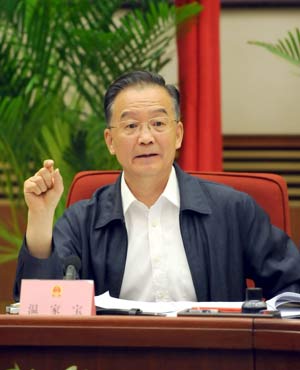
(146,168)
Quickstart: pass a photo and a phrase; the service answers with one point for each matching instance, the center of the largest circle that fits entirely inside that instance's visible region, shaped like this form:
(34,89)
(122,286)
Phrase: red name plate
(57,297)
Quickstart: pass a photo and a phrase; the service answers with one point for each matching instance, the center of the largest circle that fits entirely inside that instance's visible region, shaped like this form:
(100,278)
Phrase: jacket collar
(192,198)
(109,204)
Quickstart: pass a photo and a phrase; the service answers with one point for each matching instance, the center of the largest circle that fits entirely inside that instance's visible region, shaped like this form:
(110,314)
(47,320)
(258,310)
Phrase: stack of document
(287,303)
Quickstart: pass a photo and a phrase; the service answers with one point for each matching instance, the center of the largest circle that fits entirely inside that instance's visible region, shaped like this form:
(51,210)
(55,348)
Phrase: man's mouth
(146,155)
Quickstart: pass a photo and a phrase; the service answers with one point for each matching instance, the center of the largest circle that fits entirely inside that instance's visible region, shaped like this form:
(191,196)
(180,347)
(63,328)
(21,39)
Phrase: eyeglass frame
(140,125)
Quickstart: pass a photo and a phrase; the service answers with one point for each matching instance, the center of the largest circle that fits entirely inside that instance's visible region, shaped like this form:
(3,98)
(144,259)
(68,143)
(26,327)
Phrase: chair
(269,190)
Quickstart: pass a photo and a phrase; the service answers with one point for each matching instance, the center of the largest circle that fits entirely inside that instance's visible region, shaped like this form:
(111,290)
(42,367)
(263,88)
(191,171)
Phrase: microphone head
(72,260)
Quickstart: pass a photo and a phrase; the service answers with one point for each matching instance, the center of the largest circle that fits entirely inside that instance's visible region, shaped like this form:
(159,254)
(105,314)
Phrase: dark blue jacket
(226,235)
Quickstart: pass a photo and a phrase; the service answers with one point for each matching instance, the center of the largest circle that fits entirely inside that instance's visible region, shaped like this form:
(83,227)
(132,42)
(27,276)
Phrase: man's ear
(109,141)
(179,134)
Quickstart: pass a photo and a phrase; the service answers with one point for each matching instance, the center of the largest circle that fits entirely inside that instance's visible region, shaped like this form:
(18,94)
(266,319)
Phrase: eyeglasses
(158,125)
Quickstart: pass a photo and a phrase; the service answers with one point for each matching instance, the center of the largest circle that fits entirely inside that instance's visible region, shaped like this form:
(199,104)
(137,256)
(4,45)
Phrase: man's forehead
(151,111)
(136,99)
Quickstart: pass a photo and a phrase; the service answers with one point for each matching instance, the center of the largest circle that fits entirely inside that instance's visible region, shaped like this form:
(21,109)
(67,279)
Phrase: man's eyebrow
(159,110)
(128,113)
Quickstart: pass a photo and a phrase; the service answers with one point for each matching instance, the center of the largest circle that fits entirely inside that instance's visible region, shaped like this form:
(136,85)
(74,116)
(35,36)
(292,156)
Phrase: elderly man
(157,234)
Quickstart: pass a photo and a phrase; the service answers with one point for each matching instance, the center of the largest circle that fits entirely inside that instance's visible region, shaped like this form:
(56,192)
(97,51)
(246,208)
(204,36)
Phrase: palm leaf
(288,48)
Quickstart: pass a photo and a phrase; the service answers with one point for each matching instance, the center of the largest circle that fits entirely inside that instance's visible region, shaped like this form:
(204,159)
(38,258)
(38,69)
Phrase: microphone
(72,266)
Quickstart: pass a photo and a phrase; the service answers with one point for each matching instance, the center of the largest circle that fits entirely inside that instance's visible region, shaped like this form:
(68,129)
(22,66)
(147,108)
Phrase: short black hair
(135,78)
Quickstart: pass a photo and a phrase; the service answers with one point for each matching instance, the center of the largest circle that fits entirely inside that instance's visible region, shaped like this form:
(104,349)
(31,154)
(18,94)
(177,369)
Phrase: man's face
(147,151)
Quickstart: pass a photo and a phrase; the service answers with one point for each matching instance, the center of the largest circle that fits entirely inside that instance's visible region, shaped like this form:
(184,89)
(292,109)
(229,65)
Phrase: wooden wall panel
(267,153)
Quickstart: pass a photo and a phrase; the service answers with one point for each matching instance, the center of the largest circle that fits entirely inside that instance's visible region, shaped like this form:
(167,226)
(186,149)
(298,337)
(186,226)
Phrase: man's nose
(145,134)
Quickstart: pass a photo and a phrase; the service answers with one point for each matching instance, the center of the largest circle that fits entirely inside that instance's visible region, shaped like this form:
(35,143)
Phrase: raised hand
(43,191)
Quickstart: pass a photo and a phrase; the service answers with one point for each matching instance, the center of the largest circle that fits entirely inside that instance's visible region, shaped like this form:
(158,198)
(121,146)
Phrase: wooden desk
(277,344)
(149,343)
(129,343)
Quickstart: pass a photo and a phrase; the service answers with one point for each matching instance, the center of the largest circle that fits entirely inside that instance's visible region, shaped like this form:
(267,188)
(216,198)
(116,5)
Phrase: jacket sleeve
(272,260)
(30,267)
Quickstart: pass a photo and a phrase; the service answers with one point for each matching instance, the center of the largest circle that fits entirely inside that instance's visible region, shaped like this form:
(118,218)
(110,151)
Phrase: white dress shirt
(156,266)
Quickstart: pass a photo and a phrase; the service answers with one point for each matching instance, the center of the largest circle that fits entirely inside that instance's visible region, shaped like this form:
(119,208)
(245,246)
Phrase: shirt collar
(127,197)
(193,197)
(171,192)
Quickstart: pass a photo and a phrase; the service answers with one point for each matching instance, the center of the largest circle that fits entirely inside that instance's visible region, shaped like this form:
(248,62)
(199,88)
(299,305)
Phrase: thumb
(58,184)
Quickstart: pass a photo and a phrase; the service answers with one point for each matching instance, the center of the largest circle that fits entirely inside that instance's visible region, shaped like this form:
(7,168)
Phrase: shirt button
(154,223)
(156,260)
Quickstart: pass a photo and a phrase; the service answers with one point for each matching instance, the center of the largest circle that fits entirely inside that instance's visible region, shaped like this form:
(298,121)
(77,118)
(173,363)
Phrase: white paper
(278,303)
(168,308)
